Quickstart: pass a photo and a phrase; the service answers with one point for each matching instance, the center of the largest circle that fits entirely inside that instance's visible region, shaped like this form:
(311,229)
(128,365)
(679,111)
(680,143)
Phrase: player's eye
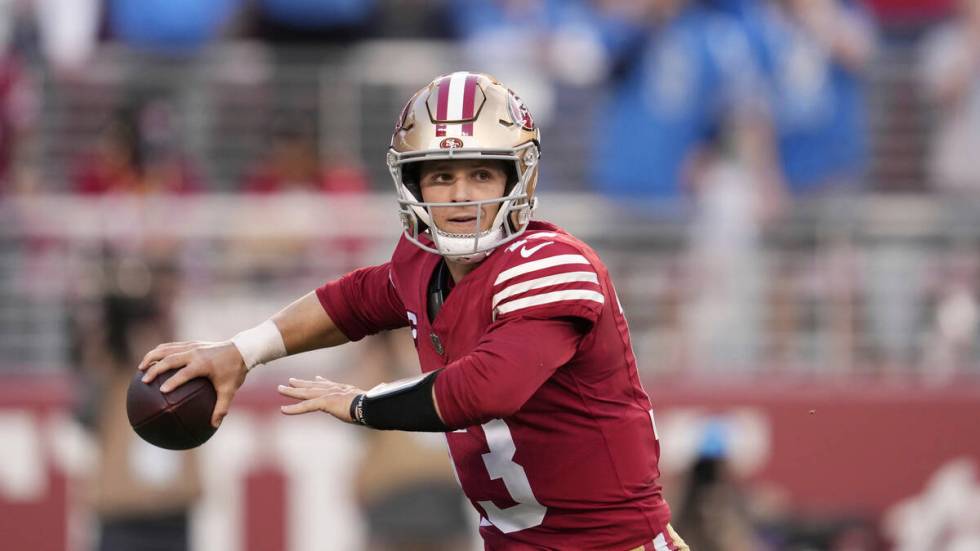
(482,175)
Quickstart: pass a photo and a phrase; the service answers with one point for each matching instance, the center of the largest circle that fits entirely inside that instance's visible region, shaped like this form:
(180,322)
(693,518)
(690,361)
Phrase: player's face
(458,181)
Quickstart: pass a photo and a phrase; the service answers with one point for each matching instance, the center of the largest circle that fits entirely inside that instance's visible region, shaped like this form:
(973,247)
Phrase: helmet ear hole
(512,178)
(410,177)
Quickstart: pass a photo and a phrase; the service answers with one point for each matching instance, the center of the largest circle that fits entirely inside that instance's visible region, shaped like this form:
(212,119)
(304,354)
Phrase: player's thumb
(220,410)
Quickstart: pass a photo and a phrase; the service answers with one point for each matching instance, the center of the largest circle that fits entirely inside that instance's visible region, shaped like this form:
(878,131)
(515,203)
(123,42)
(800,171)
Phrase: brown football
(178,420)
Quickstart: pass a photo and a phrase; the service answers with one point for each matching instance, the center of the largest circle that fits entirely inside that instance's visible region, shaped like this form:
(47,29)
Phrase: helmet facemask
(510,220)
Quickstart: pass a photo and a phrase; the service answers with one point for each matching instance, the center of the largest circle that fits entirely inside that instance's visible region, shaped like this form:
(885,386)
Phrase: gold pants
(667,540)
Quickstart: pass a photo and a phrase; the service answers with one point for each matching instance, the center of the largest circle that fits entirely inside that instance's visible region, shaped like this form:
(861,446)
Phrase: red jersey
(556,447)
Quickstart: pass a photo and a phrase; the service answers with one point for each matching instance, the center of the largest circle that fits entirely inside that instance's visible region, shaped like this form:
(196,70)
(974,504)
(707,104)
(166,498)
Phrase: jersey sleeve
(363,302)
(512,360)
(546,279)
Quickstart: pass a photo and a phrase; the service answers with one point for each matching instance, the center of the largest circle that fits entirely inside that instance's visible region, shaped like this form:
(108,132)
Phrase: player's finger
(299,393)
(221,408)
(162,351)
(173,361)
(301,383)
(153,356)
(321,384)
(305,406)
(190,371)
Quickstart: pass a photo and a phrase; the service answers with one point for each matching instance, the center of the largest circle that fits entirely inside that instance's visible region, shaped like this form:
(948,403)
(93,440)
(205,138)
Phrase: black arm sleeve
(410,408)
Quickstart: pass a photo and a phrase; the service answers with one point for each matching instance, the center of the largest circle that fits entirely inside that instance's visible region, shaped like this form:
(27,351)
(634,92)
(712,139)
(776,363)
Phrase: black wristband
(357,410)
(409,408)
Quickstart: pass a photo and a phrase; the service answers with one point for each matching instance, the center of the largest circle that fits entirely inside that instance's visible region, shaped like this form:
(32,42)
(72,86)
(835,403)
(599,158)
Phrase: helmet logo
(519,112)
(451,143)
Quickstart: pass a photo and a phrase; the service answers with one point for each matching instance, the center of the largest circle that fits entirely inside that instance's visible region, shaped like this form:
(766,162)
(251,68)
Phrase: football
(179,420)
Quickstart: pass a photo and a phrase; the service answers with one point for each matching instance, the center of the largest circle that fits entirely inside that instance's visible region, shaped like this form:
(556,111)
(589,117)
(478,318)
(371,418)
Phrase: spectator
(137,153)
(951,71)
(681,121)
(682,81)
(814,54)
(293,164)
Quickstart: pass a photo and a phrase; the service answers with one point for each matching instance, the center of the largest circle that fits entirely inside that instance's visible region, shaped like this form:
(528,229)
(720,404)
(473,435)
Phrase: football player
(525,353)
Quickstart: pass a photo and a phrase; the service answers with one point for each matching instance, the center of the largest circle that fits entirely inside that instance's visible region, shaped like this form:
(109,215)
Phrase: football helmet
(465,115)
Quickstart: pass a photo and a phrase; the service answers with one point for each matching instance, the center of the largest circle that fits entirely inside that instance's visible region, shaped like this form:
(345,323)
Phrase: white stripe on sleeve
(548,298)
(660,543)
(551,261)
(547,281)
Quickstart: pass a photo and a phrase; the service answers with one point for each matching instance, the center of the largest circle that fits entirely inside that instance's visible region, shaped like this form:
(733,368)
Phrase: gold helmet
(465,115)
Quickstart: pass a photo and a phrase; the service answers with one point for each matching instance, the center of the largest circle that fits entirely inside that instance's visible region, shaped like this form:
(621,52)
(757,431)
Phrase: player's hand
(320,395)
(218,361)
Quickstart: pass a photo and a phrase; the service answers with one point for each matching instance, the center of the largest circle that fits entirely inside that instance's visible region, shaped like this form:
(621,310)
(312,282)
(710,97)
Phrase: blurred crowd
(775,89)
(755,126)
(684,93)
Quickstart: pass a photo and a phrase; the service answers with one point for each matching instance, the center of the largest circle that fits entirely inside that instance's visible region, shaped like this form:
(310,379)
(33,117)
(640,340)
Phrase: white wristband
(260,344)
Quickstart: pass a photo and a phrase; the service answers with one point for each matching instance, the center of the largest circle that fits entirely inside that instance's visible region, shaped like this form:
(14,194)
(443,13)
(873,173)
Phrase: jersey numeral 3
(528,513)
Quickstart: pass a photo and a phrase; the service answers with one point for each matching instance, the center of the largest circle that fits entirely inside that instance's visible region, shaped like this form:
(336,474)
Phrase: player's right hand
(221,362)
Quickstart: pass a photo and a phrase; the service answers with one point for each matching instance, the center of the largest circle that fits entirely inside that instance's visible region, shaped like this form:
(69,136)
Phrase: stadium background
(826,355)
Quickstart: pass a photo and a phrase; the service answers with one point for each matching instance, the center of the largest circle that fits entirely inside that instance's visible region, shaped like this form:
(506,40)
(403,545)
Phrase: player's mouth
(461,223)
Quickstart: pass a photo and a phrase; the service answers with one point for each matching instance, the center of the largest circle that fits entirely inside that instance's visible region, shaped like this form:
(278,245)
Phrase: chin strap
(461,248)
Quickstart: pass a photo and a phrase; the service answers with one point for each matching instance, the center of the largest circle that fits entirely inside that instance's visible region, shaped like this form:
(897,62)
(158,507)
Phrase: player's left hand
(320,395)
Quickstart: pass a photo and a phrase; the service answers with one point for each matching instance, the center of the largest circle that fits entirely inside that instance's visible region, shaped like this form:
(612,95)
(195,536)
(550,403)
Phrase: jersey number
(528,513)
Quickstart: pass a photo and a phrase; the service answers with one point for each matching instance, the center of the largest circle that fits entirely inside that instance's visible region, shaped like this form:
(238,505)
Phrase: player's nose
(460,191)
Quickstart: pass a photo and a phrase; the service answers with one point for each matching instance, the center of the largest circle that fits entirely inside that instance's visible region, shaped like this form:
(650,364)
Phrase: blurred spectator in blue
(137,153)
(169,26)
(325,21)
(683,131)
(683,86)
(714,513)
(814,54)
(951,73)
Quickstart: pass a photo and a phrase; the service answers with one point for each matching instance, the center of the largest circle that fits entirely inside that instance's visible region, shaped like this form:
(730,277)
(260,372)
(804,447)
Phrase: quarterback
(525,354)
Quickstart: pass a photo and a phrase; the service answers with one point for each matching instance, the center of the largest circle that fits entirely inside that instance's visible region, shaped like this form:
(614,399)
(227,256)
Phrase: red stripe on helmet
(442,99)
(469,101)
(442,105)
